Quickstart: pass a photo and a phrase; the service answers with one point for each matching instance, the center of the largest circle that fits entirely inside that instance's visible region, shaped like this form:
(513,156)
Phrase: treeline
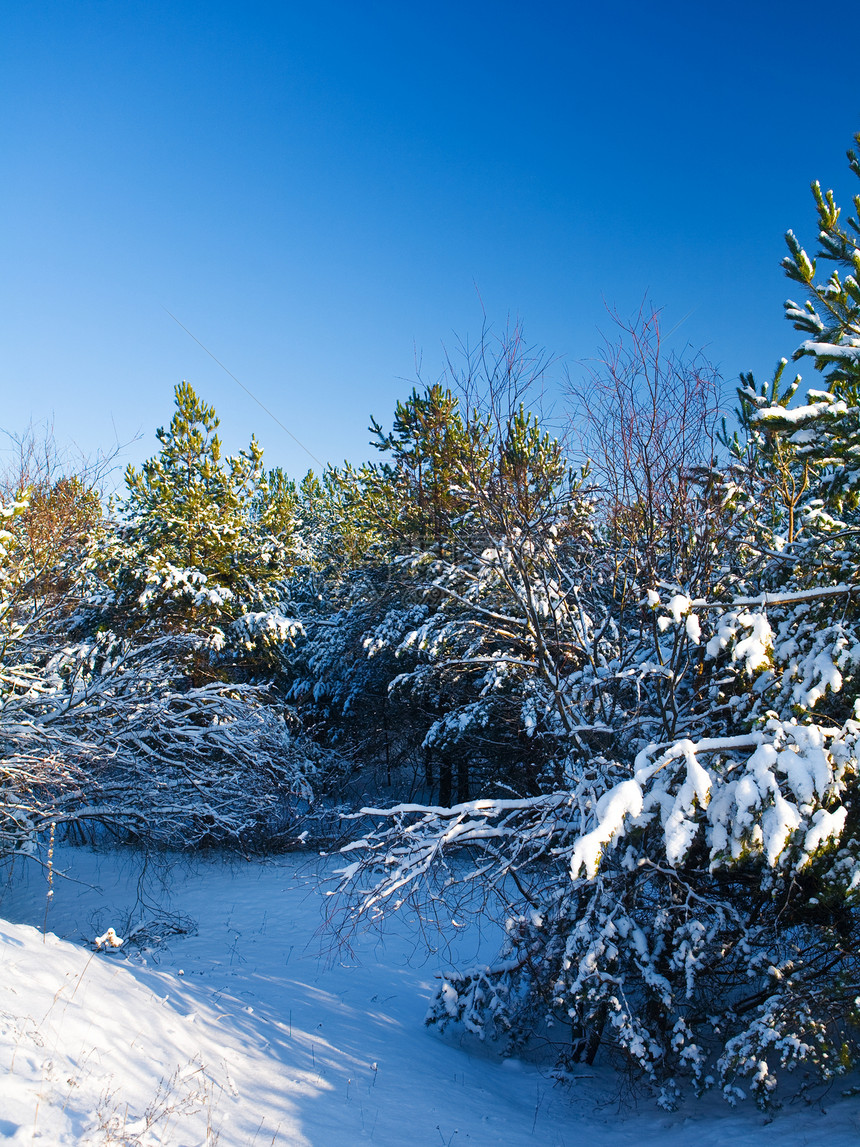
(626,690)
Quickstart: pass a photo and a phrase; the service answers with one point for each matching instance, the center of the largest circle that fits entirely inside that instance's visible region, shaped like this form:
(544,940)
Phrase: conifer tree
(417,484)
(815,444)
(205,538)
(688,895)
(192,509)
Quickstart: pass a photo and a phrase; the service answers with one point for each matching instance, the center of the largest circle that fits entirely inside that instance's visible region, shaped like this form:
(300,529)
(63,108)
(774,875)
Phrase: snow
(679,606)
(825,826)
(743,807)
(613,807)
(109,939)
(755,649)
(832,350)
(694,628)
(800,415)
(227,1016)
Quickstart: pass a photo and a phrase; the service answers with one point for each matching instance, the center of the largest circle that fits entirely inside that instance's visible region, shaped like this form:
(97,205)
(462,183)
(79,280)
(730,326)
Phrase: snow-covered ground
(228,1019)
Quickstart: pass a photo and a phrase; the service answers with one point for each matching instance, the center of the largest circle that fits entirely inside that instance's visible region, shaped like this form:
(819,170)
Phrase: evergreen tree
(191,509)
(206,542)
(688,897)
(415,491)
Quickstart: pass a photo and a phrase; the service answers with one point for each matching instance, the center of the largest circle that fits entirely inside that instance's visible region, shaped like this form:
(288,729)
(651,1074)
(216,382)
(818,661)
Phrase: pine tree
(416,490)
(816,443)
(689,895)
(206,538)
(194,510)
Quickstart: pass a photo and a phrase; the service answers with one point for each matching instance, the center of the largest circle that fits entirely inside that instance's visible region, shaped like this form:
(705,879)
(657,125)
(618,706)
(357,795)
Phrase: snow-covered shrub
(112,733)
(697,916)
(141,731)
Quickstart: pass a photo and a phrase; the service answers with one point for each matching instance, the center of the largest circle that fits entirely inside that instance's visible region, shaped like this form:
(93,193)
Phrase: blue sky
(322,191)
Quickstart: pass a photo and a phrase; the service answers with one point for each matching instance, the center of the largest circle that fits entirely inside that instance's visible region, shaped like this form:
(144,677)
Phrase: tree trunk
(445,780)
(462,780)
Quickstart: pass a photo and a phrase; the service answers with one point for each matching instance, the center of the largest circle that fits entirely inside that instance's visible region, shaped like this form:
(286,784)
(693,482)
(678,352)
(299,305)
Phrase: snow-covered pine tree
(204,543)
(469,510)
(693,905)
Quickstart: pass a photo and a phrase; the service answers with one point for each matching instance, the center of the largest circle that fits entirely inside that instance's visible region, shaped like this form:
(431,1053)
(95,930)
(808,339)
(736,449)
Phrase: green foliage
(340,520)
(414,493)
(831,312)
(274,507)
(190,509)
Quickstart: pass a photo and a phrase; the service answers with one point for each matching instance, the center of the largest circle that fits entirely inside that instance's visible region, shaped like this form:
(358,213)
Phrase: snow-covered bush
(698,915)
(111,733)
(119,706)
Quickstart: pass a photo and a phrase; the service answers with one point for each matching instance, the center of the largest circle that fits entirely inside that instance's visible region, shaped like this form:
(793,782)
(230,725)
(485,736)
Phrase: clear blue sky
(318,189)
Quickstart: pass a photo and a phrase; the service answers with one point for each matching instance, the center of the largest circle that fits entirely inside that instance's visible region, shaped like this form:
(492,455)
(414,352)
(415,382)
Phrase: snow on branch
(113,733)
(774,792)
